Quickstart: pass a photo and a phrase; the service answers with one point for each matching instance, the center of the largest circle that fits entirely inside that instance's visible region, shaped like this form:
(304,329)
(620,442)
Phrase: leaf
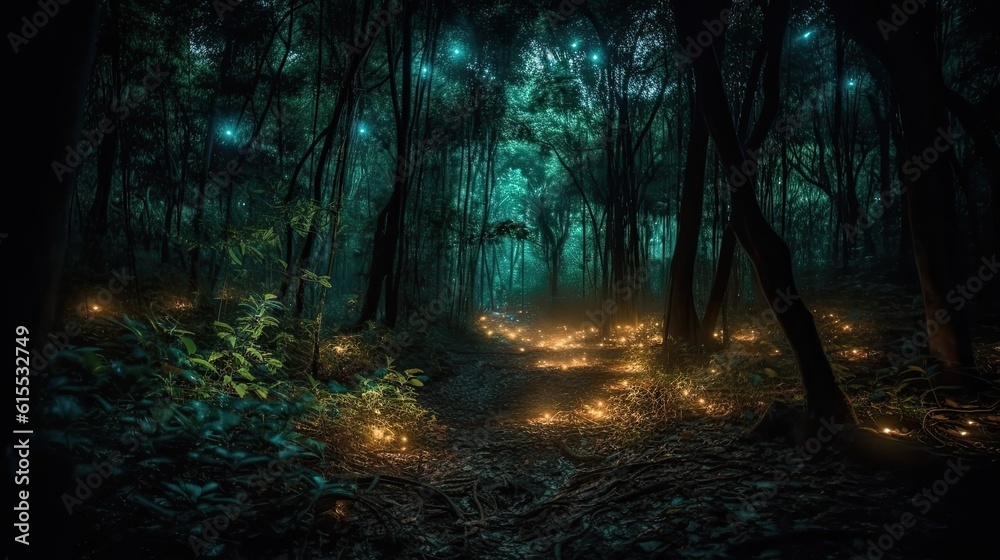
(770,372)
(191,376)
(261,392)
(204,364)
(235,257)
(412,371)
(241,389)
(415,382)
(189,345)
(334,387)
(223,326)
(274,364)
(269,297)
(149,504)
(241,360)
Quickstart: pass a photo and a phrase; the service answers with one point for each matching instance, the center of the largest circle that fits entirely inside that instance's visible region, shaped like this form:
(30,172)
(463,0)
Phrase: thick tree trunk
(682,318)
(389,227)
(53,68)
(767,251)
(907,52)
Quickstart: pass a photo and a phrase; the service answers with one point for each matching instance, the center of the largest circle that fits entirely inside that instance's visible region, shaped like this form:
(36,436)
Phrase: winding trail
(537,470)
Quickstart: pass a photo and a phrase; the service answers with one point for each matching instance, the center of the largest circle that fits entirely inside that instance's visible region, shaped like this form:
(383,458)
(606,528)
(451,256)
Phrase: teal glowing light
(808,33)
(229,133)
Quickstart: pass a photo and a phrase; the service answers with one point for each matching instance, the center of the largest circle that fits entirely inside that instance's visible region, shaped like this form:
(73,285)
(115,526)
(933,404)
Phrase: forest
(508,279)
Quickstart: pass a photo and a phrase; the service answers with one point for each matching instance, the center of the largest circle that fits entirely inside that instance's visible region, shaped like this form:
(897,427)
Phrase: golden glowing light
(483,318)
(95,307)
(887,430)
(963,433)
(701,401)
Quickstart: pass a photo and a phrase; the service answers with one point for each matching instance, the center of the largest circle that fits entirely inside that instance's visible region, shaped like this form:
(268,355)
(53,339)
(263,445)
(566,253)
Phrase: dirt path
(521,422)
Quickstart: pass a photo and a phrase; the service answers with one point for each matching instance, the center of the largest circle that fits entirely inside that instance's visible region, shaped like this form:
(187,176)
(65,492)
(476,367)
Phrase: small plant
(243,355)
(406,377)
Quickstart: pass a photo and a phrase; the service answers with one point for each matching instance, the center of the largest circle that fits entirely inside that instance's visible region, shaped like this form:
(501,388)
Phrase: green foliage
(239,357)
(167,465)
(405,377)
(242,354)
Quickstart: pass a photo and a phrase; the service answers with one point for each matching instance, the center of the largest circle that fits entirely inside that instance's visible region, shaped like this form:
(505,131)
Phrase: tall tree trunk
(909,57)
(389,227)
(198,220)
(769,254)
(57,64)
(682,319)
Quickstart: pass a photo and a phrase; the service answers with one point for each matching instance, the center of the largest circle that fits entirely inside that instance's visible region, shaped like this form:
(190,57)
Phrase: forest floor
(555,444)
